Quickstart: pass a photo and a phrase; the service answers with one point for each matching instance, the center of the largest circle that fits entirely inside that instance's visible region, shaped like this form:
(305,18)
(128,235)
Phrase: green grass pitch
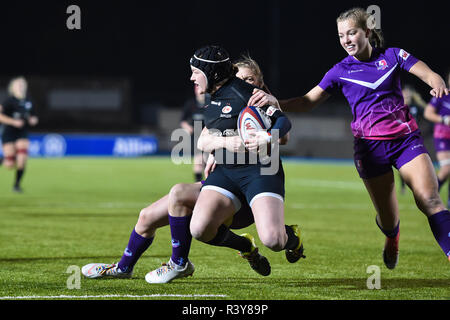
(80,210)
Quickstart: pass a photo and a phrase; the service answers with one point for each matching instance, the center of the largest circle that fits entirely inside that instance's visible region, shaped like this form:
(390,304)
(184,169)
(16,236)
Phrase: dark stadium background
(143,47)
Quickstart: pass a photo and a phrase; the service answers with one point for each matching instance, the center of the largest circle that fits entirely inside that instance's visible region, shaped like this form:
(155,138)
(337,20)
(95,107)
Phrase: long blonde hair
(361,18)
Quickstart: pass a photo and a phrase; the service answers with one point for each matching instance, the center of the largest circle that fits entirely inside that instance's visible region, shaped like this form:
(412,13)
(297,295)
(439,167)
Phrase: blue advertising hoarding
(62,145)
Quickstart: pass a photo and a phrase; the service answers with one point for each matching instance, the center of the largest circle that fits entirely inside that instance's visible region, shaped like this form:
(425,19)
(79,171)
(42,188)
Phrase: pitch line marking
(116,296)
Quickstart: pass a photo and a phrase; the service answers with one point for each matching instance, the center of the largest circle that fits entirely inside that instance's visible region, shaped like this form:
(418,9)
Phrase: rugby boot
(103,270)
(294,255)
(257,262)
(169,271)
(391,252)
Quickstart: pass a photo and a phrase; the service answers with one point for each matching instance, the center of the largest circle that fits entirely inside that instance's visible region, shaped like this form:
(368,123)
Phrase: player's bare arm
(305,103)
(434,80)
(209,142)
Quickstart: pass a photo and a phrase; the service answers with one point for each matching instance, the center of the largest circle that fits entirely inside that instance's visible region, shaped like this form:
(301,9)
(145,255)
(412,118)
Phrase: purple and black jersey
(442,107)
(374,93)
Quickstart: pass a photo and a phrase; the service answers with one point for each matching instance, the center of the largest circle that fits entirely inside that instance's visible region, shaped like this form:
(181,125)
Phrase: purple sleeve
(329,82)
(435,102)
(404,58)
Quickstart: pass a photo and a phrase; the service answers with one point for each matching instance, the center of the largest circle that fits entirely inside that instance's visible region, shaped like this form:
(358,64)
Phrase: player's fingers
(260,97)
(252,101)
(255,95)
(255,99)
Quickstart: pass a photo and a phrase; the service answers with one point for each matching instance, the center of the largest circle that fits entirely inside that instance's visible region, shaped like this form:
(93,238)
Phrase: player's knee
(275,240)
(9,164)
(429,200)
(199,231)
(178,193)
(145,216)
(145,225)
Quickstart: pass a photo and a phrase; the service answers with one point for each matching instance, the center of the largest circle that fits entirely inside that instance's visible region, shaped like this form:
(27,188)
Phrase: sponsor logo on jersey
(226,109)
(381,65)
(403,54)
(230,133)
(271,110)
(353,71)
(216,103)
(372,85)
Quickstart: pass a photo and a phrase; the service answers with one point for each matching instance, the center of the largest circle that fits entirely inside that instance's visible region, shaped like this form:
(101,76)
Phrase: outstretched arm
(305,103)
(435,81)
(299,104)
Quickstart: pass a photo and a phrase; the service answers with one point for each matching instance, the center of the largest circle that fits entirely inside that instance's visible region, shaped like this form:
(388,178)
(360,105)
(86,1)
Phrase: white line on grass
(116,296)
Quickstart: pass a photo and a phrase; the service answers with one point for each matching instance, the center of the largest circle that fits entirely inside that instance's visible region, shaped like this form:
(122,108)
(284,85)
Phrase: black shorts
(11,134)
(244,216)
(243,185)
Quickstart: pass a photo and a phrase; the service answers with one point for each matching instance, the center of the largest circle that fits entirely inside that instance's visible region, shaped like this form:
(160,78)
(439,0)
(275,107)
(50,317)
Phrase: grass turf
(76,211)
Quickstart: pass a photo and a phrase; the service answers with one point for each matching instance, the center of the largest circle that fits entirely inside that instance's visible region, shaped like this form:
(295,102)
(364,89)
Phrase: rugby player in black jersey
(180,201)
(18,115)
(236,183)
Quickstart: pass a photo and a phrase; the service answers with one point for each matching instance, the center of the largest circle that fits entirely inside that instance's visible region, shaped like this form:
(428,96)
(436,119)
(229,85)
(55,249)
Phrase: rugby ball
(252,118)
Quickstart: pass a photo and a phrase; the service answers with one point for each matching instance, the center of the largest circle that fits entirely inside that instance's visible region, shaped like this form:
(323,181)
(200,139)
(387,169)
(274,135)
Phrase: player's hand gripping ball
(253,121)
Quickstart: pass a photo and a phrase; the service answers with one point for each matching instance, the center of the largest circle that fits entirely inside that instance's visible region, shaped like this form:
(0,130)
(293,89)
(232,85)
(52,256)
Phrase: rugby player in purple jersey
(385,133)
(438,112)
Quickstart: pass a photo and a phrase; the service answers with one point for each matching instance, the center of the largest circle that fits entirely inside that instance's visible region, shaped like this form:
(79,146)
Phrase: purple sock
(440,226)
(136,247)
(181,238)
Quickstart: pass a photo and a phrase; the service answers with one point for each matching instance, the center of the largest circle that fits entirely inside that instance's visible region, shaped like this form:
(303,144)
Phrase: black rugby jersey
(222,112)
(18,109)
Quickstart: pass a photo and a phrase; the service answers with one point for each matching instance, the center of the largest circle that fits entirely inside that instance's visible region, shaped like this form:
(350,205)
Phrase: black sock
(227,238)
(448,194)
(19,174)
(292,241)
(389,233)
(198,176)
(440,183)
